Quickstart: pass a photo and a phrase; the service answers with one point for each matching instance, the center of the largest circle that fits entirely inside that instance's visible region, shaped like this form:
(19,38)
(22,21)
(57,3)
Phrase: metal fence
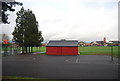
(10,51)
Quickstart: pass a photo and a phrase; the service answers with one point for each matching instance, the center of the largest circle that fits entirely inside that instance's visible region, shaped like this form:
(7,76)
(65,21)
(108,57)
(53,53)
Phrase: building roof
(115,42)
(99,41)
(63,43)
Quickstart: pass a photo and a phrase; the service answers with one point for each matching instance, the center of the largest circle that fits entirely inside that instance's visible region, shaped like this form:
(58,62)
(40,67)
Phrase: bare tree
(5,37)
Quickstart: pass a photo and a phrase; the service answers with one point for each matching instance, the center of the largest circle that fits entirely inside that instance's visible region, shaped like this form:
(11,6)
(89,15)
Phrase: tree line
(26,33)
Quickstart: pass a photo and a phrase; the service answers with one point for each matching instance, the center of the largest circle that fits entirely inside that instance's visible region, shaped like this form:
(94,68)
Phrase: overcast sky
(84,20)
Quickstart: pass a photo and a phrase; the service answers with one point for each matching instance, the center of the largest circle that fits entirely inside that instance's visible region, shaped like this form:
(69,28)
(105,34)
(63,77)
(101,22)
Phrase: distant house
(87,44)
(97,43)
(100,42)
(81,43)
(115,43)
(62,47)
(43,44)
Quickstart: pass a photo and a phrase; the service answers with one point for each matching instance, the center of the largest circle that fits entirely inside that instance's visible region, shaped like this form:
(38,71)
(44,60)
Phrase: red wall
(62,50)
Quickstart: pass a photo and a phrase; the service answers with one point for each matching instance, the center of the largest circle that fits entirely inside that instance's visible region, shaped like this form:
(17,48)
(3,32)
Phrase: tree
(18,31)
(5,37)
(7,6)
(26,32)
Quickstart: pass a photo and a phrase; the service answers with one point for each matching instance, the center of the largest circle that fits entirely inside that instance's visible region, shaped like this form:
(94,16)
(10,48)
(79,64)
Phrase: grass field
(93,50)
(40,49)
(88,50)
(99,50)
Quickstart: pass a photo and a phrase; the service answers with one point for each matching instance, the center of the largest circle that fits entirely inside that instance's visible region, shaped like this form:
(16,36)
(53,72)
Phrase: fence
(10,51)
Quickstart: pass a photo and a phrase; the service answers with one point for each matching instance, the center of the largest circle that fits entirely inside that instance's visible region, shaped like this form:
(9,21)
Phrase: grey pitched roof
(99,41)
(63,43)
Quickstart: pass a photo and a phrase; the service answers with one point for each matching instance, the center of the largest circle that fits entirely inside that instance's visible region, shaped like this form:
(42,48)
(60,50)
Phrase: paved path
(60,67)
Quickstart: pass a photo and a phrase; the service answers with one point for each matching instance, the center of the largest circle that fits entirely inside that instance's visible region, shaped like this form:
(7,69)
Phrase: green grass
(93,50)
(35,49)
(88,50)
(2,49)
(99,50)
(39,49)
(15,77)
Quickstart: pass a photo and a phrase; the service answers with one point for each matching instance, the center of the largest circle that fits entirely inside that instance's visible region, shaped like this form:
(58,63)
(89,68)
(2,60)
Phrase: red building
(62,47)
(104,40)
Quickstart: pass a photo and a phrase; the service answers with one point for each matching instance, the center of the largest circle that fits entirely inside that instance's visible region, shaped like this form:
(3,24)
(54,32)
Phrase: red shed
(62,47)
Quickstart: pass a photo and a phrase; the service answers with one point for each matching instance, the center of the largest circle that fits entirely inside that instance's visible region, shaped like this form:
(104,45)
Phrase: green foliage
(26,31)
(8,6)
